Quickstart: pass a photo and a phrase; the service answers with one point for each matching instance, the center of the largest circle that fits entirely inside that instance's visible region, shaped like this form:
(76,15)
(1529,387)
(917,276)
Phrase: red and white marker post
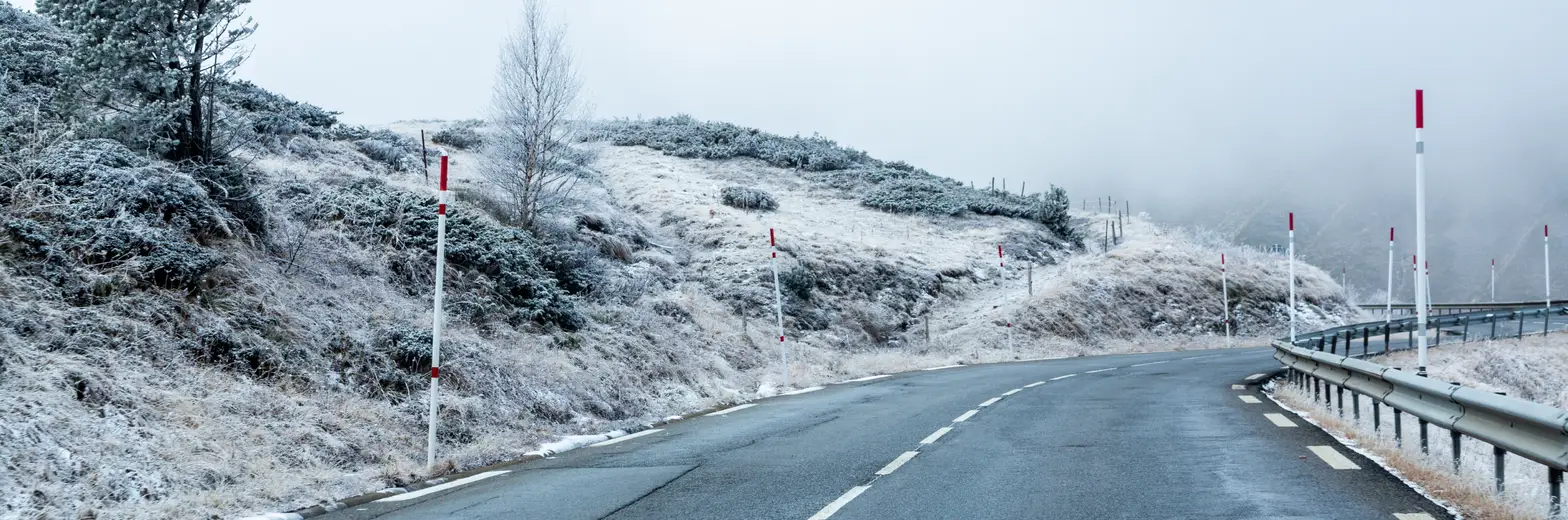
(436,324)
(1225,298)
(1546,250)
(1388,305)
(1423,299)
(1291,253)
(778,303)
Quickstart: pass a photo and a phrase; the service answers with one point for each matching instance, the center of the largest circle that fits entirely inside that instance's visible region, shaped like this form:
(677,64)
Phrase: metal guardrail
(1454,308)
(1511,425)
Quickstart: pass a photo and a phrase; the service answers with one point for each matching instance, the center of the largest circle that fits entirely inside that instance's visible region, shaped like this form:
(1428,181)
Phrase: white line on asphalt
(1333,458)
(834,506)
(1249,399)
(1034,384)
(1254,377)
(732,409)
(1151,363)
(1059,378)
(1200,357)
(939,433)
(867,378)
(626,437)
(1100,370)
(443,487)
(1238,387)
(1413,516)
(989,402)
(966,416)
(1280,420)
(802,391)
(1011,392)
(942,367)
(893,466)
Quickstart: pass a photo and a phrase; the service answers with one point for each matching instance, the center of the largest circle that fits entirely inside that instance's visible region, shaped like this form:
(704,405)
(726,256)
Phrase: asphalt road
(1137,436)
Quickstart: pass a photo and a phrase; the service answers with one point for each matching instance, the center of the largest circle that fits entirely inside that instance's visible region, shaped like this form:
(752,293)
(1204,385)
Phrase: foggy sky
(1189,109)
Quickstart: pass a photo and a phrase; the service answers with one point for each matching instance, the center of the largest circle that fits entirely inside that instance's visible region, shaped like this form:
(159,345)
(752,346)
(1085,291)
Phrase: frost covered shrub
(501,271)
(684,136)
(747,198)
(924,196)
(255,116)
(461,137)
(33,75)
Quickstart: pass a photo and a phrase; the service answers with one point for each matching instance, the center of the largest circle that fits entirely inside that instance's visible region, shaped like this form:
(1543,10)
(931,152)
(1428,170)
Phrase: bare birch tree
(536,112)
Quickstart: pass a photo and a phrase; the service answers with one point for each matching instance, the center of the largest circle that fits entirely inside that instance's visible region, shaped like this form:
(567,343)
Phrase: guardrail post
(1437,332)
(1366,334)
(1554,478)
(1333,346)
(1320,343)
(1466,337)
(1455,436)
(1340,391)
(1493,318)
(1422,423)
(1399,440)
(1386,333)
(1377,416)
(1410,338)
(1355,406)
(1520,315)
(1497,462)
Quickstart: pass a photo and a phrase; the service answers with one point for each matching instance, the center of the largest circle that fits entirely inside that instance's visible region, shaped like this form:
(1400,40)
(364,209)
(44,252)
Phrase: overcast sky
(1190,104)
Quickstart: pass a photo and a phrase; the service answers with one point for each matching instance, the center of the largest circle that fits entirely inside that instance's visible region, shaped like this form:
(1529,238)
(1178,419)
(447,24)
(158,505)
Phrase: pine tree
(151,63)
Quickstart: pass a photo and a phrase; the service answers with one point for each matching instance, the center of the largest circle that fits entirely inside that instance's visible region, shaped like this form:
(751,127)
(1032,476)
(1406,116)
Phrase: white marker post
(1546,250)
(1388,306)
(436,323)
(1493,284)
(1001,262)
(1422,300)
(1225,298)
(778,303)
(1426,281)
(1291,253)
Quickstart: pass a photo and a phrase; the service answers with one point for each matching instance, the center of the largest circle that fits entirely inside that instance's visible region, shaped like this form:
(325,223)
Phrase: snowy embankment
(1534,368)
(296,372)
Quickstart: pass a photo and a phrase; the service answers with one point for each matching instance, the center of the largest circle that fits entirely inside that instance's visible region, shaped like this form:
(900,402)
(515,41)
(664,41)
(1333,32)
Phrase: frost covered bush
(684,136)
(94,211)
(747,198)
(501,271)
(462,137)
(33,75)
(924,196)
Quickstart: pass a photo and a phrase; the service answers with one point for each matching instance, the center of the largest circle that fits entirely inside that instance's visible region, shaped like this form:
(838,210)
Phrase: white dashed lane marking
(966,416)
(939,433)
(834,506)
(1034,384)
(1150,363)
(1280,420)
(989,402)
(1100,370)
(626,437)
(1059,378)
(893,466)
(1249,399)
(1238,387)
(1254,377)
(867,378)
(732,409)
(443,487)
(1332,457)
(1413,516)
(941,367)
(1011,392)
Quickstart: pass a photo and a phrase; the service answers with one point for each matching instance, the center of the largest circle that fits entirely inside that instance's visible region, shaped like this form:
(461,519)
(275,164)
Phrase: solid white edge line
(627,437)
(867,378)
(1011,392)
(939,433)
(444,487)
(1280,420)
(989,402)
(802,391)
(732,409)
(1059,378)
(941,367)
(1034,384)
(1254,377)
(1151,363)
(1333,457)
(1249,399)
(966,416)
(897,463)
(275,516)
(842,500)
(1238,387)
(1413,516)
(1100,370)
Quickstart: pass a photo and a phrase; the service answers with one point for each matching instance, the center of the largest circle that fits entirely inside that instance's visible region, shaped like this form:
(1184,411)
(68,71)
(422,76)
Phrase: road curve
(1161,435)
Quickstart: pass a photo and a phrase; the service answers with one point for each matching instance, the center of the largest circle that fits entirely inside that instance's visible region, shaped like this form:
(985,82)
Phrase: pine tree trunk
(195,140)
